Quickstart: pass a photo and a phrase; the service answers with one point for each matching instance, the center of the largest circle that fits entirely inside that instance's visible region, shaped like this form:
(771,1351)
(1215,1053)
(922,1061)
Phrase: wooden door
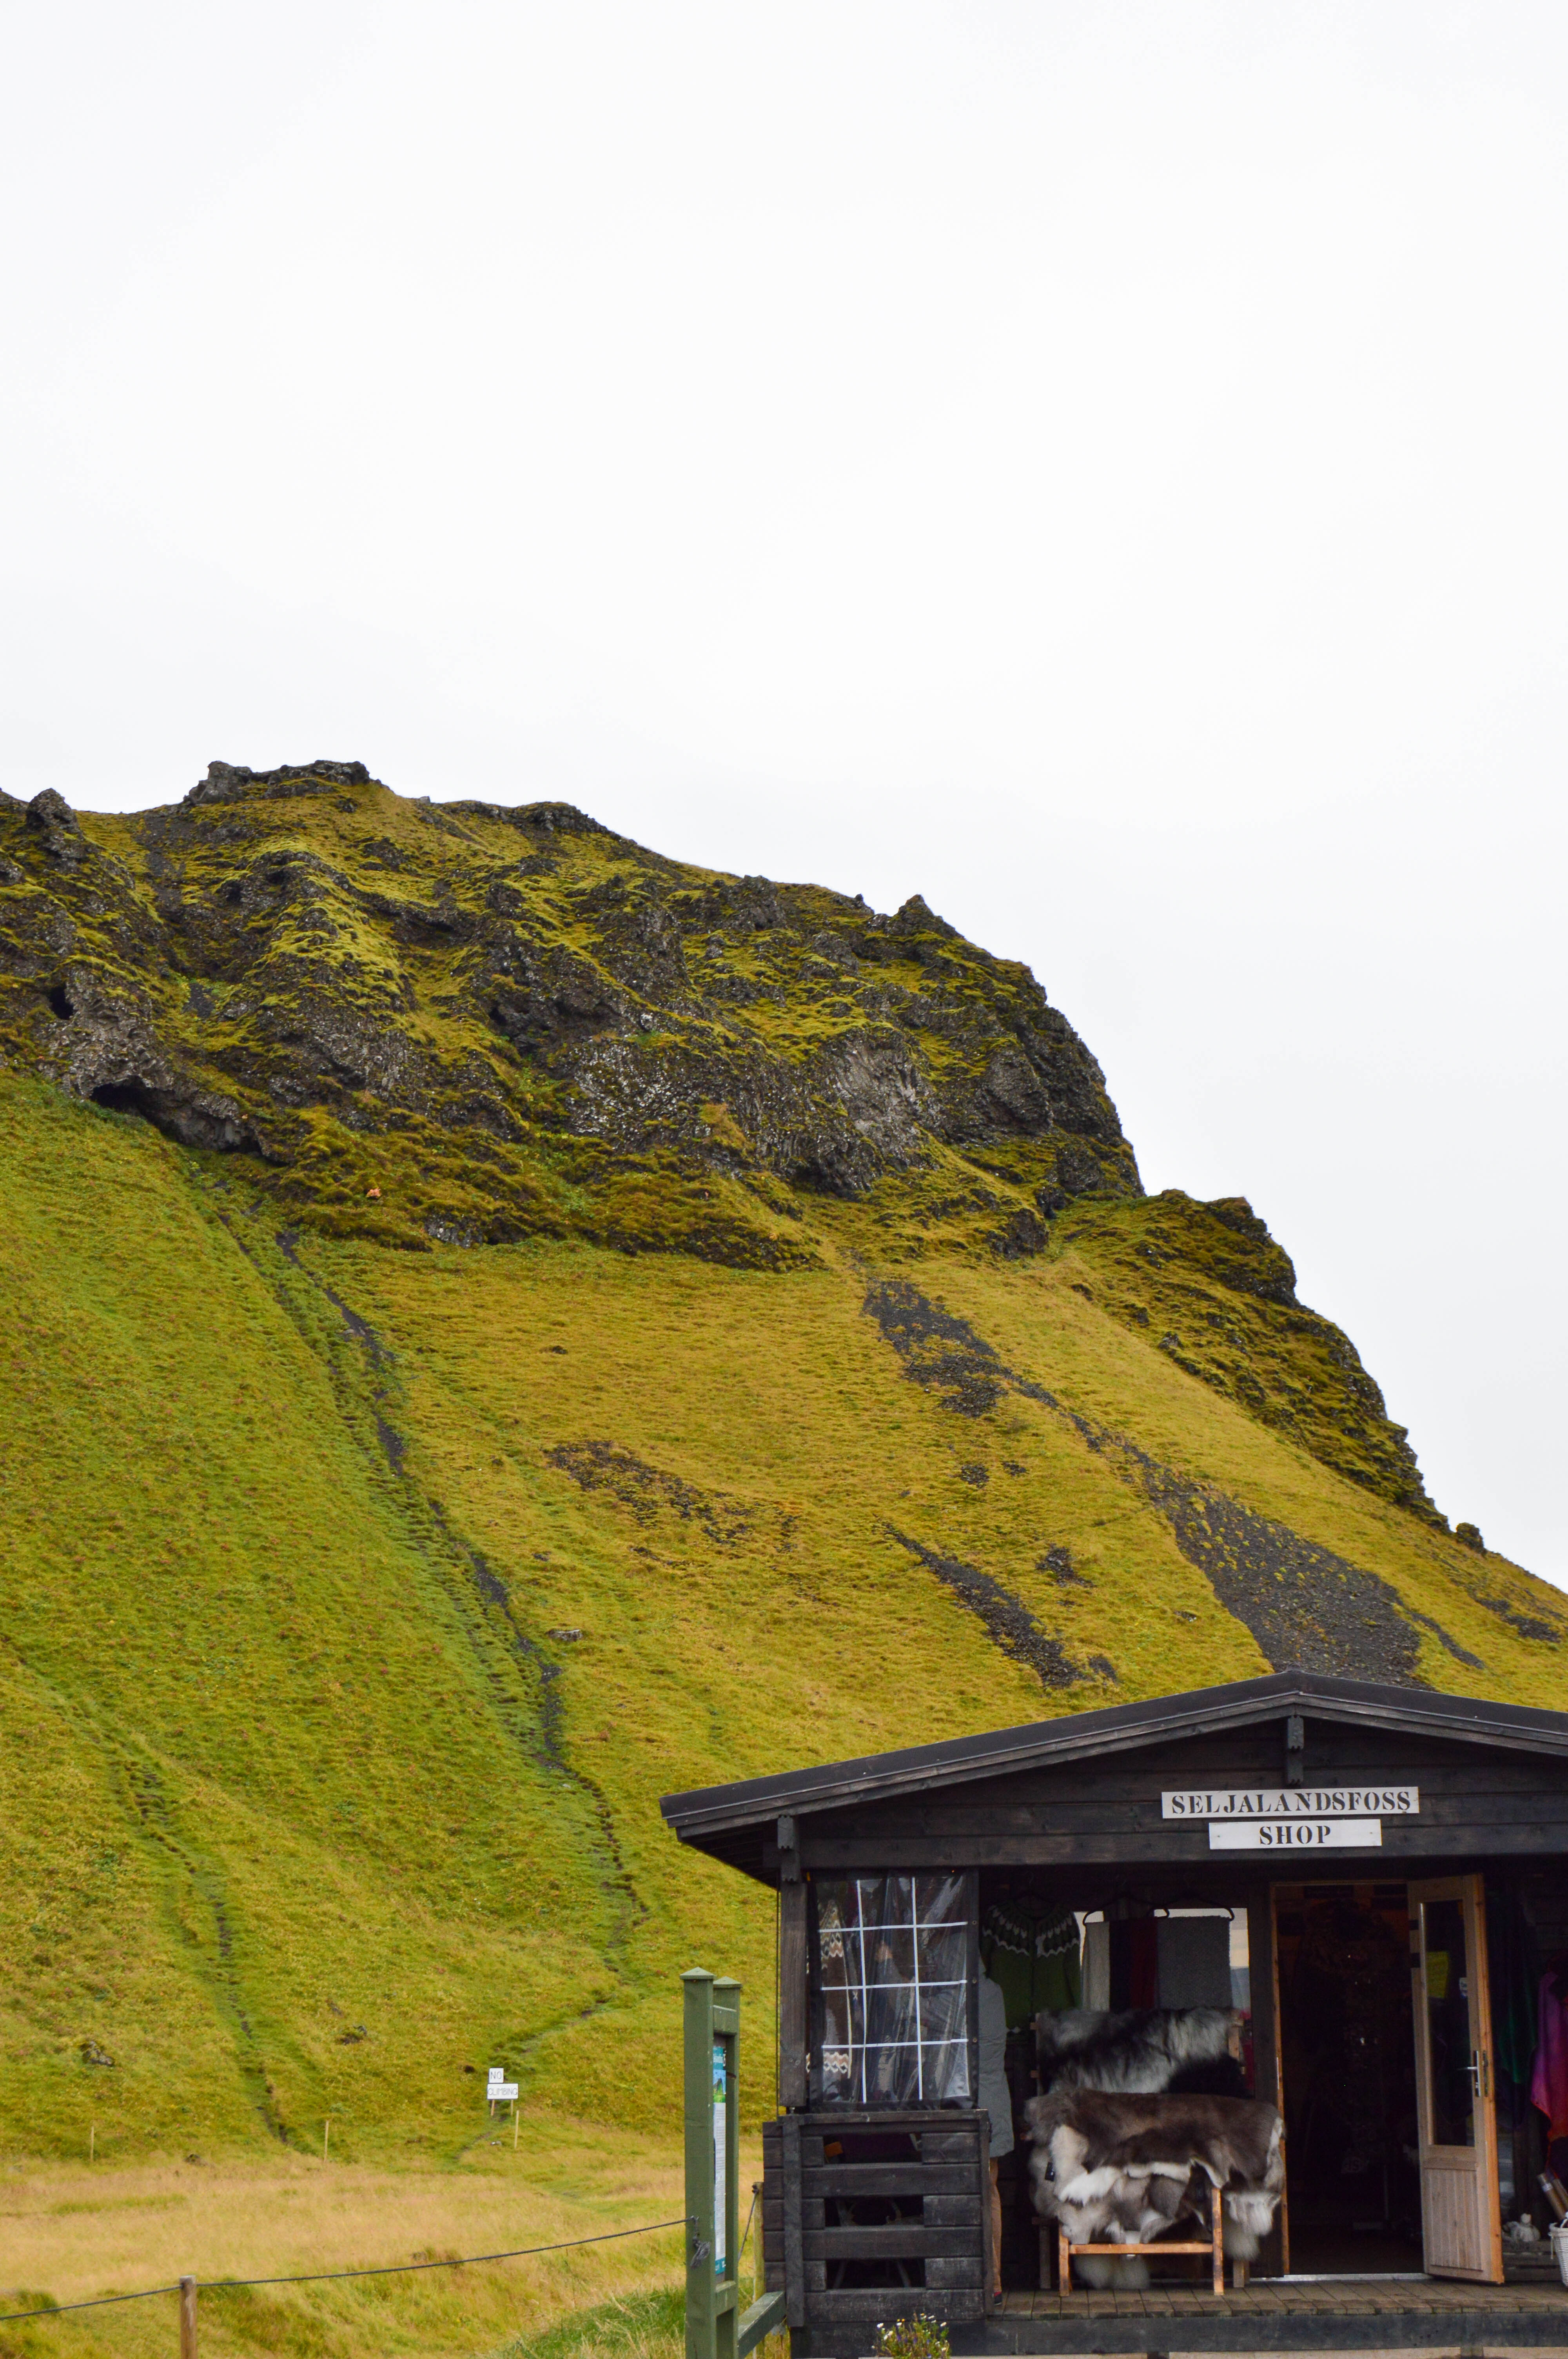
(1267,2057)
(1460,2209)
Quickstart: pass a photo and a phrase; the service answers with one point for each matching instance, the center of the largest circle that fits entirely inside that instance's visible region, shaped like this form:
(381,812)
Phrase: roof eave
(708,1811)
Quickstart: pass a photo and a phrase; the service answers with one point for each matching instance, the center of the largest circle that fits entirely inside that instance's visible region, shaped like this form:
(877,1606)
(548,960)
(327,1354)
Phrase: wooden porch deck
(1374,2317)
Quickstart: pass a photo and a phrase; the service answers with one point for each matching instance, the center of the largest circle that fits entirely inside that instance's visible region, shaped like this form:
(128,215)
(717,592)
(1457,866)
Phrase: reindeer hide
(1138,2048)
(1119,2168)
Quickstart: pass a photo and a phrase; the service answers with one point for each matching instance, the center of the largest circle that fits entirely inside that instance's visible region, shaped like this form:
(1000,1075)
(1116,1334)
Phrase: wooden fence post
(187,2318)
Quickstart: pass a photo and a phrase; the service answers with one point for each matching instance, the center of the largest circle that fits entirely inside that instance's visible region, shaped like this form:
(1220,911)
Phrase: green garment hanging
(1513,1986)
(1033,1959)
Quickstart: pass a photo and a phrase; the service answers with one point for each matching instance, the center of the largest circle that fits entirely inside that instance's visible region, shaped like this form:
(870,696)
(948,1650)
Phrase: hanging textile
(1097,1965)
(1514,2002)
(1143,1976)
(1549,2082)
(995,2098)
(1032,1957)
(1194,1961)
(1134,1962)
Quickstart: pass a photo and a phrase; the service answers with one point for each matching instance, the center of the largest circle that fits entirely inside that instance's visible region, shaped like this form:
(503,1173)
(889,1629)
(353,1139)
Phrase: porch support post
(792,1991)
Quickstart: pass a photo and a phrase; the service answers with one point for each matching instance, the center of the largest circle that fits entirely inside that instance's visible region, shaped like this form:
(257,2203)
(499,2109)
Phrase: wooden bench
(1214,2246)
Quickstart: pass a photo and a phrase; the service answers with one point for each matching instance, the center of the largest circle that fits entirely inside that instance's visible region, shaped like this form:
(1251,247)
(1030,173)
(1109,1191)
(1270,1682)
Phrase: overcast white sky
(1100,464)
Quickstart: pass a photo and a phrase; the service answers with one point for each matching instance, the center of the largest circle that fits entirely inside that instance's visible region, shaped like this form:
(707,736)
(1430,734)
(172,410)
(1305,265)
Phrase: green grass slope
(361,1588)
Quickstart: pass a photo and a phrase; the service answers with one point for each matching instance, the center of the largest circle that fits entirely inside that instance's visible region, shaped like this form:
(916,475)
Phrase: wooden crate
(898,2221)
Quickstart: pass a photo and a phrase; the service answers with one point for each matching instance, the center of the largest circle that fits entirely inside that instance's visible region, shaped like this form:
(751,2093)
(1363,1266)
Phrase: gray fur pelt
(1136,2050)
(1116,2167)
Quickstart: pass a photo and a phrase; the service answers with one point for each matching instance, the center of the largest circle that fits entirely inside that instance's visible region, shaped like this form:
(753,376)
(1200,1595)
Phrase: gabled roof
(713,1817)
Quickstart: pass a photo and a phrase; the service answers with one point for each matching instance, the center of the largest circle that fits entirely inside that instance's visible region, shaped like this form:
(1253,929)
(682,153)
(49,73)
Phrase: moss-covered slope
(357,1603)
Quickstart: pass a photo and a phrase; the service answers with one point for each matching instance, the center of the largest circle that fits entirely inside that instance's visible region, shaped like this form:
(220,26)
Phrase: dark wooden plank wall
(807,2195)
(771,2216)
(1475,1803)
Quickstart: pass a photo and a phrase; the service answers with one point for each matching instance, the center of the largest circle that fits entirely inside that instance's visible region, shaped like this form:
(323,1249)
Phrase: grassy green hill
(500,1325)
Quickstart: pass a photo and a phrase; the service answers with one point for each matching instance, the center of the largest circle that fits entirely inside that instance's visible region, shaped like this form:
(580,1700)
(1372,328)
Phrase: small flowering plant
(913,2338)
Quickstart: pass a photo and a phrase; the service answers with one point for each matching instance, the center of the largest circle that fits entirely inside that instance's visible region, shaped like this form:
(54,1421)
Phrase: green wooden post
(713,2028)
(697,2009)
(715,2328)
(727,2188)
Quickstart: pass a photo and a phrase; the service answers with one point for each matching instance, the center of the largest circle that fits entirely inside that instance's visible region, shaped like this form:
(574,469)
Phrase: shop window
(895,1975)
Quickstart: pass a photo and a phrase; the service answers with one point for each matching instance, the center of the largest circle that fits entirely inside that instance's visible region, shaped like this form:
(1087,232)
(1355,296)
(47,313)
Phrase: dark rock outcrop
(52,816)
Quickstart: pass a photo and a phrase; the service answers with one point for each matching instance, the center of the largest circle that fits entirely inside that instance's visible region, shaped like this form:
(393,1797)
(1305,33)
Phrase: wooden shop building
(1376,1880)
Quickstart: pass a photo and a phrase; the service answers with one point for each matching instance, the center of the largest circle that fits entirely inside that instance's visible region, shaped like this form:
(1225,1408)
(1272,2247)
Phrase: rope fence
(333,2276)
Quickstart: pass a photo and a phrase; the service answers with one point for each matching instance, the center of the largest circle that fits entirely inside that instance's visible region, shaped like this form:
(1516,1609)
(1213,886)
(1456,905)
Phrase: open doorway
(1051,1950)
(1348,2055)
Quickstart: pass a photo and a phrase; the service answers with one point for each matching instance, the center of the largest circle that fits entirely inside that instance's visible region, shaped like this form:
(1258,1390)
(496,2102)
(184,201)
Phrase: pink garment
(1549,2082)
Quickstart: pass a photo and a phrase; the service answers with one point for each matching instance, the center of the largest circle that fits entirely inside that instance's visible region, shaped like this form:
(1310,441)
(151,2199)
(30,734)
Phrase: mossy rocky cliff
(512,1021)
(468,1023)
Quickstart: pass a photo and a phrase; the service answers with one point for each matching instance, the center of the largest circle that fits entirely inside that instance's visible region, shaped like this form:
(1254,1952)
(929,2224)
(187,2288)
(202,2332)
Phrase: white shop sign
(1394,1802)
(1295,1835)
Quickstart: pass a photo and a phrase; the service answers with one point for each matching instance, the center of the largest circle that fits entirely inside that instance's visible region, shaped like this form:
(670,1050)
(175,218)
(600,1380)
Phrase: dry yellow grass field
(72,2233)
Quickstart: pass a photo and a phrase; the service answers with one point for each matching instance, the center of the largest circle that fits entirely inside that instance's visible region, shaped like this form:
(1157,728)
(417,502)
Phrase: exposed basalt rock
(939,1350)
(54,821)
(1308,1608)
(835,1119)
(1006,1619)
(1256,1264)
(231,782)
(191,1117)
(1025,1233)
(545,1004)
(650,1492)
(1058,1563)
(1529,1625)
(102,1046)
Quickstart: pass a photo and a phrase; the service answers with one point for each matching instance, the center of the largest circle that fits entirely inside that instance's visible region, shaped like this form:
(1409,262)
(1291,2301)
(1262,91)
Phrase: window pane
(948,2075)
(944,2013)
(1448,2024)
(943,1900)
(944,1954)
